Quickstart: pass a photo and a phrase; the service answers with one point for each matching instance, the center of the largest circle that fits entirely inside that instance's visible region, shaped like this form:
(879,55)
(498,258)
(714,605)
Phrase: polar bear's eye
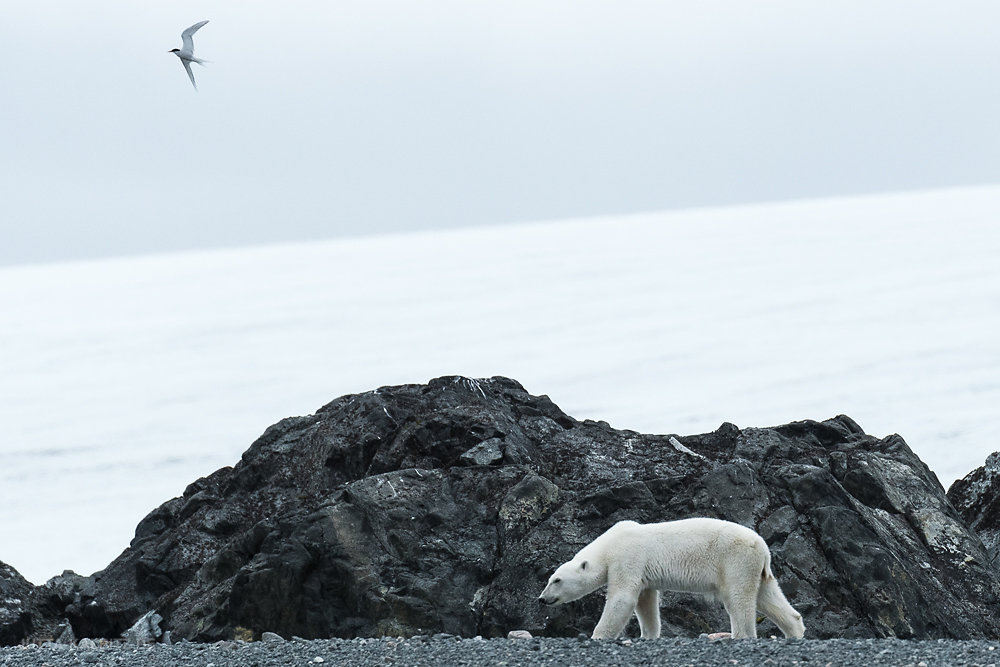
(556,581)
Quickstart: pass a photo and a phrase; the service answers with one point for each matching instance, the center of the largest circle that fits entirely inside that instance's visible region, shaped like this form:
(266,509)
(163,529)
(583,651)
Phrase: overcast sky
(334,117)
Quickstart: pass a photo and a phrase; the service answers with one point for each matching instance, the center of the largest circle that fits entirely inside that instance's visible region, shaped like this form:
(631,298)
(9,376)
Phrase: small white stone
(518,634)
(317,659)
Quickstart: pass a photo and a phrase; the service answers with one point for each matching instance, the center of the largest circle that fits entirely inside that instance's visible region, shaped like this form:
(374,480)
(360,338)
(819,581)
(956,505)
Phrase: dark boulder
(444,508)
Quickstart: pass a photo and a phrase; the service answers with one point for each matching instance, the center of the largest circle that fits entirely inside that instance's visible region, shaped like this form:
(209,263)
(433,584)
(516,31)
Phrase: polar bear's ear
(583,566)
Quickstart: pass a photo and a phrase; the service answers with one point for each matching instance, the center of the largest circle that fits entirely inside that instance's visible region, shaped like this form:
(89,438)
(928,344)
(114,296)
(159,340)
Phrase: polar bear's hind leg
(741,605)
(740,580)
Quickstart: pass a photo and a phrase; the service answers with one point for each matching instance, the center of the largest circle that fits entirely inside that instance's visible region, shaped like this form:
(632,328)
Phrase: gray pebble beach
(445,651)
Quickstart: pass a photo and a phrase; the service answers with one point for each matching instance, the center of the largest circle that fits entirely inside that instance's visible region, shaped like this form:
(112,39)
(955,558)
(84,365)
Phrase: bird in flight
(186,52)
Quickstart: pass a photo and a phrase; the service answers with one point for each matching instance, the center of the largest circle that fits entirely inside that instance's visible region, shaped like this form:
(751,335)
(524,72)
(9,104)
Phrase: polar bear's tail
(775,606)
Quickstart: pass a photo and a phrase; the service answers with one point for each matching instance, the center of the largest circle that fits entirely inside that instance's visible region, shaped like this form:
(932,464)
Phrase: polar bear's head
(572,580)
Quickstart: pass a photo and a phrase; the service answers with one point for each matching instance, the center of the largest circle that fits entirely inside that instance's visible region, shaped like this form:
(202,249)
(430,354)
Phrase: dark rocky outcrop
(444,507)
(977,498)
(15,617)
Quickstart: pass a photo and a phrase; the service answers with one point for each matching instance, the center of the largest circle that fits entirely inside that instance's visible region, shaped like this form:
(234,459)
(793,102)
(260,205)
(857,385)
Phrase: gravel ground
(444,651)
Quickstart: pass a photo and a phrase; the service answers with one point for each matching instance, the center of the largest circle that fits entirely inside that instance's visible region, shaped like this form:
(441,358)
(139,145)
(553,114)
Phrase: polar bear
(698,555)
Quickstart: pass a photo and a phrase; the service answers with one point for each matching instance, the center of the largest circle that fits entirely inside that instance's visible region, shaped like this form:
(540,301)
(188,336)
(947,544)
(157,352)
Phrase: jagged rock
(15,617)
(66,634)
(977,497)
(485,453)
(145,631)
(377,516)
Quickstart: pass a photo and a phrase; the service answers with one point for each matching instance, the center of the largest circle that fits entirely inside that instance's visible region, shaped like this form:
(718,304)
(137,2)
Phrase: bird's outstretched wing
(187,66)
(187,39)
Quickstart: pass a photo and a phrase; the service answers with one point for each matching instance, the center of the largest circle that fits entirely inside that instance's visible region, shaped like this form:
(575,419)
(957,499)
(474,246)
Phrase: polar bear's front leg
(647,610)
(618,610)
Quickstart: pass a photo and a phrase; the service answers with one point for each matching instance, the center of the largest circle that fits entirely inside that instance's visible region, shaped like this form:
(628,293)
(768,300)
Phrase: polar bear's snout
(550,595)
(547,596)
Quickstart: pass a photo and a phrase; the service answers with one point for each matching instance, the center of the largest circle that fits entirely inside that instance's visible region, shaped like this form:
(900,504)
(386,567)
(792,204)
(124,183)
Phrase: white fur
(636,561)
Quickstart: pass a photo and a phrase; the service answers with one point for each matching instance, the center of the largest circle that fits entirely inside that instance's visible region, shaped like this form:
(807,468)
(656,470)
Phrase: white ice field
(121,381)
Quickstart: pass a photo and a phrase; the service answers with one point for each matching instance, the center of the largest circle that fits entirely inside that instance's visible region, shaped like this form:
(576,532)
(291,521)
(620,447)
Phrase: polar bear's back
(704,527)
(695,529)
